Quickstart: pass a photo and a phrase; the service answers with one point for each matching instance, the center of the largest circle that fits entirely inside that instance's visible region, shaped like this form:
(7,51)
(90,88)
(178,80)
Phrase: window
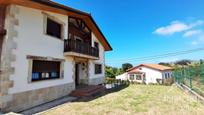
(140,68)
(43,70)
(166,76)
(138,77)
(96,45)
(131,77)
(98,68)
(54,29)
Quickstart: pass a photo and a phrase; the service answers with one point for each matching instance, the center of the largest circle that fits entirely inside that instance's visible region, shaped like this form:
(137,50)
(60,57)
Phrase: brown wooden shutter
(2,23)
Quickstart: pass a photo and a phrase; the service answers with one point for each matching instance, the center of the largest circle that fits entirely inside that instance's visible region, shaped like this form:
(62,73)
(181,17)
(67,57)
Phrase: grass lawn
(135,99)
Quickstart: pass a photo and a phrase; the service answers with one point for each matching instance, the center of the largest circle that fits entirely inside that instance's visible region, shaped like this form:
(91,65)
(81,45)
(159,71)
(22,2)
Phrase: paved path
(48,105)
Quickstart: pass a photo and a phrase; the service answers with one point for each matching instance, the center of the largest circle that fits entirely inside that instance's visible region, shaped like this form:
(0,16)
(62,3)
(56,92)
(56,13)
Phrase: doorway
(81,73)
(76,75)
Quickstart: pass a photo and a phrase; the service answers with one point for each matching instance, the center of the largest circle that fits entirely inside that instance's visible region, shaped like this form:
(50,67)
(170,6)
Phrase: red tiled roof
(153,66)
(134,71)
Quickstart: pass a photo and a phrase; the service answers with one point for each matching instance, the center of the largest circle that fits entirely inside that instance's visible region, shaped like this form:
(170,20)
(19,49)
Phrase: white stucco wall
(123,76)
(101,61)
(151,74)
(31,40)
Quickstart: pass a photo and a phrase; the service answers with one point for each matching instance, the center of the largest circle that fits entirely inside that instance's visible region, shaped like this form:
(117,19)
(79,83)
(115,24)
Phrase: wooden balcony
(79,49)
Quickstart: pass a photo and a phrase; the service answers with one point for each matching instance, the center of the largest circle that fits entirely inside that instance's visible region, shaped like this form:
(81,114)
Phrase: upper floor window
(96,45)
(54,28)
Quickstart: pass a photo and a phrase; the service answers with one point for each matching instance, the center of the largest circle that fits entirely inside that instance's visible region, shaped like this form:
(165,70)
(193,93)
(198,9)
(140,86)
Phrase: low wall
(96,81)
(191,92)
(25,100)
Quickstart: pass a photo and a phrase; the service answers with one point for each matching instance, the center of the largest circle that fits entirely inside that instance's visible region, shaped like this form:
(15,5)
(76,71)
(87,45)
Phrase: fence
(111,83)
(191,76)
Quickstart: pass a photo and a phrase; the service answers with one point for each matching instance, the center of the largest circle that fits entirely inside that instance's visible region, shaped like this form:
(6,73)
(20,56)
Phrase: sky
(142,28)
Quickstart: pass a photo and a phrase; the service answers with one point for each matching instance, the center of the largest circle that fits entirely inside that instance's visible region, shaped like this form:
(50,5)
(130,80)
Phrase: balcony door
(78,29)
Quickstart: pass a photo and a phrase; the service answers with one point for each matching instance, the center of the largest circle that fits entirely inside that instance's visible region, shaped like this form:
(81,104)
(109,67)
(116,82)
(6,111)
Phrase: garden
(135,99)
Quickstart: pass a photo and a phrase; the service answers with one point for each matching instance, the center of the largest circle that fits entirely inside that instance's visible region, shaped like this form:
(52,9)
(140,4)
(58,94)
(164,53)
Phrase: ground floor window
(138,77)
(98,68)
(44,70)
(131,77)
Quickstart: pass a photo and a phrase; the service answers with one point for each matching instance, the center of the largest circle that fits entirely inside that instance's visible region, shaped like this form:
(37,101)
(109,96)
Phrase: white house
(46,51)
(147,73)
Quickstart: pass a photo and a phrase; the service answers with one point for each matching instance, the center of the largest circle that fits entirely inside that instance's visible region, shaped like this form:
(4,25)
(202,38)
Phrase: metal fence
(191,76)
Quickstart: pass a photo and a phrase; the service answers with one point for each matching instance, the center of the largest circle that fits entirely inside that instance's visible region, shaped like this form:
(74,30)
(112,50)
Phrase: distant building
(147,73)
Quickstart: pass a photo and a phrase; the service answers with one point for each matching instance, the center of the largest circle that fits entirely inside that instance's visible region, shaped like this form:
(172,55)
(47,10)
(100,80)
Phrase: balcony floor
(80,55)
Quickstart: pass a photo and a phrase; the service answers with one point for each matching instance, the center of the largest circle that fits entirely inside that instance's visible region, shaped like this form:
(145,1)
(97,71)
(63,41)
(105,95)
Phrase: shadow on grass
(101,94)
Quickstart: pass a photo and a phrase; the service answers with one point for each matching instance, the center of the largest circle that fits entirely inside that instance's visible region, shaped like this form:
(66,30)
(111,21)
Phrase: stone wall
(96,81)
(29,99)
(8,56)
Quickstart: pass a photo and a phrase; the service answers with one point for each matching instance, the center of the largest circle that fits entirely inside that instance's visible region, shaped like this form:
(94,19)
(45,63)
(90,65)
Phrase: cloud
(199,40)
(177,26)
(192,33)
(197,23)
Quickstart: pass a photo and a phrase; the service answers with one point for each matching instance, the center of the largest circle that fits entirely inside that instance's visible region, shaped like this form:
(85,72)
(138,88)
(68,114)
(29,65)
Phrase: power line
(162,55)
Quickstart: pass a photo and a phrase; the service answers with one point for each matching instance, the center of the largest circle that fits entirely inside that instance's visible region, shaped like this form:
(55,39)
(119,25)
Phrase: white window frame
(45,17)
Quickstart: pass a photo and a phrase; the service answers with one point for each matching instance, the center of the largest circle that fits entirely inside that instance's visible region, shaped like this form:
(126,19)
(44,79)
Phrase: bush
(168,81)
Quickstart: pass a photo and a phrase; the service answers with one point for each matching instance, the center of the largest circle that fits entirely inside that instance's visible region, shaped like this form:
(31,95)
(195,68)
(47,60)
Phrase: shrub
(168,81)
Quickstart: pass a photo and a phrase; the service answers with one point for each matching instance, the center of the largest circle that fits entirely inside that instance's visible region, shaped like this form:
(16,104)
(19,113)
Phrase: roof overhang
(143,65)
(50,6)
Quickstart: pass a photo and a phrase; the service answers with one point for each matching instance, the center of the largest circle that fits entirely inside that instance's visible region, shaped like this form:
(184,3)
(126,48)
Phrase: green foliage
(111,72)
(165,64)
(183,62)
(190,72)
(126,66)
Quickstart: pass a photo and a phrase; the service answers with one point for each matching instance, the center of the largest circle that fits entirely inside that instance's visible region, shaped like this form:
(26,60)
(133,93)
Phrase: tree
(183,62)
(201,61)
(165,64)
(126,66)
(109,72)
(113,71)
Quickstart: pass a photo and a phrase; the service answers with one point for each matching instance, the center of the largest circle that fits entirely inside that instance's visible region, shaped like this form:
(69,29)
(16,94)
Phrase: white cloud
(192,33)
(199,40)
(177,26)
(197,23)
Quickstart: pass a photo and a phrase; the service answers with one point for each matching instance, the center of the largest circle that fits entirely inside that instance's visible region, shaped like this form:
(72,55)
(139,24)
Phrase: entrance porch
(81,72)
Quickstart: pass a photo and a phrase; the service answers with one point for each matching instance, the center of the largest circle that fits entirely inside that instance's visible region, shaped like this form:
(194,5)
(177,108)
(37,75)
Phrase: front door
(76,74)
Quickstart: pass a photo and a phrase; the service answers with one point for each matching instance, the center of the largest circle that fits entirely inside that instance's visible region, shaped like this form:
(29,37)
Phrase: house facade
(147,73)
(47,50)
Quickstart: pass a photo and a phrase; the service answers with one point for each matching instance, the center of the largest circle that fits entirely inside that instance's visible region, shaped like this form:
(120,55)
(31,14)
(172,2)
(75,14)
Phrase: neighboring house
(147,73)
(46,51)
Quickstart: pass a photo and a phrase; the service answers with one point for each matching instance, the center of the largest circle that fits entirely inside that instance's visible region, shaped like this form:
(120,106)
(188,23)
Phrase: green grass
(135,99)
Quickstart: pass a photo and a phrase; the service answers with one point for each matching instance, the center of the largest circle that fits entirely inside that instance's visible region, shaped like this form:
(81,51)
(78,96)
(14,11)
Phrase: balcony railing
(79,47)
